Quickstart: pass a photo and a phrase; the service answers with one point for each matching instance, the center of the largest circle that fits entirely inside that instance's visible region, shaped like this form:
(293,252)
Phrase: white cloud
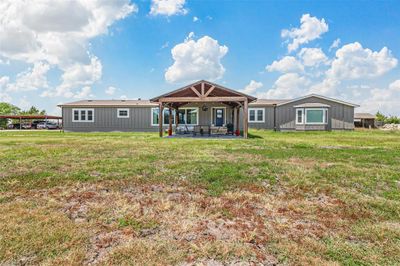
(252,87)
(352,61)
(311,28)
(4,97)
(384,100)
(165,45)
(24,104)
(327,87)
(110,90)
(75,76)
(195,19)
(285,65)
(56,33)
(289,85)
(85,92)
(32,79)
(123,97)
(195,60)
(190,36)
(312,56)
(168,7)
(335,44)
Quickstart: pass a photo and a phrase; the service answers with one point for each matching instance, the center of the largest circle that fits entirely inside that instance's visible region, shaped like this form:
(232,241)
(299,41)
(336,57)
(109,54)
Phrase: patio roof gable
(201,90)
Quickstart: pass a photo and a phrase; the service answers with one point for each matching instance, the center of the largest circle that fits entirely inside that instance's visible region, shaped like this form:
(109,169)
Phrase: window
(315,116)
(299,116)
(76,115)
(191,116)
(311,116)
(186,116)
(154,116)
(256,115)
(166,117)
(123,113)
(82,115)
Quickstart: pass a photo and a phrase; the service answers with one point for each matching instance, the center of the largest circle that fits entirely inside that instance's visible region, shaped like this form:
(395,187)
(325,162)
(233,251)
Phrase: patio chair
(197,130)
(230,128)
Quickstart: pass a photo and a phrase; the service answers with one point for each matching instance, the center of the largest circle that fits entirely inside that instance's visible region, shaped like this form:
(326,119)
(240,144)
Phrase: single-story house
(366,120)
(204,103)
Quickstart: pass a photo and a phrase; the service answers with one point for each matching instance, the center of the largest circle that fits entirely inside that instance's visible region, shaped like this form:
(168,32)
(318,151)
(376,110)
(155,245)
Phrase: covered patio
(215,109)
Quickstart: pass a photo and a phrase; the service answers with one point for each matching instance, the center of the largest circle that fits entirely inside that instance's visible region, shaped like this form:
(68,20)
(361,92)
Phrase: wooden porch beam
(202,88)
(195,91)
(202,99)
(209,91)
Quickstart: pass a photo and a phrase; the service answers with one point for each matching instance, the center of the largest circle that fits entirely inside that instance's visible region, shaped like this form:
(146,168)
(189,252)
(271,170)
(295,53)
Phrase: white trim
(256,116)
(123,109)
(297,116)
(324,116)
(321,97)
(80,110)
(151,116)
(212,113)
(182,108)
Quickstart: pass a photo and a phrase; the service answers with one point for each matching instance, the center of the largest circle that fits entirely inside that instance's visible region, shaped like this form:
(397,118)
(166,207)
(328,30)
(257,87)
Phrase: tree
(7,109)
(380,117)
(33,111)
(392,119)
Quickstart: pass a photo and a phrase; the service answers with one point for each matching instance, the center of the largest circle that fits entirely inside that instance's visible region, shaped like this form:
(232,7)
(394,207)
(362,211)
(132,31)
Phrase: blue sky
(65,51)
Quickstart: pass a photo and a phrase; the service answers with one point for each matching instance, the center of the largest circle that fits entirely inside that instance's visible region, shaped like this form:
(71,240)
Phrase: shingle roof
(267,102)
(305,105)
(364,116)
(108,103)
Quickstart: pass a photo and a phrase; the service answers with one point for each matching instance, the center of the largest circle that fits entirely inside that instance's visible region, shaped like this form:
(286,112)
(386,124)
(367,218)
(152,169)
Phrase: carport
(31,117)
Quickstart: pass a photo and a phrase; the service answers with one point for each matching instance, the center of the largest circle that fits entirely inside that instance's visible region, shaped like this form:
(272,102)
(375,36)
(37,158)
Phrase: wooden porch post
(238,120)
(176,119)
(170,121)
(245,119)
(160,118)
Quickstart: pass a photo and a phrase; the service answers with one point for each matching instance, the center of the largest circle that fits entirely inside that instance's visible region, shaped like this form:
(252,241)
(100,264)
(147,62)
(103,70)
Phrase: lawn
(132,198)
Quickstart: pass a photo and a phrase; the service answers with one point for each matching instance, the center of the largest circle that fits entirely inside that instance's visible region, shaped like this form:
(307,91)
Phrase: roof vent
(122,100)
(139,99)
(90,100)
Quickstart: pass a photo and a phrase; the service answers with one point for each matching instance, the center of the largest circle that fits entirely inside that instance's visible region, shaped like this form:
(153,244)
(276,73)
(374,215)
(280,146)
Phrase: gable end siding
(340,116)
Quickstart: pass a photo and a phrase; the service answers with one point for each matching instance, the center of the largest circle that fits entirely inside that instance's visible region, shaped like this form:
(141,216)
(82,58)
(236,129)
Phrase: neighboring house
(206,103)
(364,120)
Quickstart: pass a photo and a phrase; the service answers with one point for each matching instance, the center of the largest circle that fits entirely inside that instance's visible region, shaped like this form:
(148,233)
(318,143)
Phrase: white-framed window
(82,115)
(186,116)
(299,116)
(312,116)
(123,112)
(256,115)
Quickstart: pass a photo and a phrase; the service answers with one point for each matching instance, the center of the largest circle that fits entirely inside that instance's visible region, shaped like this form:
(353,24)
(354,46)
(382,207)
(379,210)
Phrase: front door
(219,116)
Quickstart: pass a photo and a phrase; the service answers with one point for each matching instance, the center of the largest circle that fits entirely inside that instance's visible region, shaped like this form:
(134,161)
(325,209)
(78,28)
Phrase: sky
(53,52)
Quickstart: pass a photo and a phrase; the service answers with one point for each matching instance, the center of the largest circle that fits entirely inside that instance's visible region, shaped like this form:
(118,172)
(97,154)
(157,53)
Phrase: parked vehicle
(19,126)
(35,123)
(51,125)
(41,125)
(47,125)
(26,126)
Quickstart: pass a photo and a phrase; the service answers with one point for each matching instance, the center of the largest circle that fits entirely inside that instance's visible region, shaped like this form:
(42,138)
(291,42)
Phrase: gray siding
(106,120)
(340,116)
(268,118)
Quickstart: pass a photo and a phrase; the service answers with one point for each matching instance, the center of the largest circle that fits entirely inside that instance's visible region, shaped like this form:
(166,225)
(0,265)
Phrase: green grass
(294,198)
